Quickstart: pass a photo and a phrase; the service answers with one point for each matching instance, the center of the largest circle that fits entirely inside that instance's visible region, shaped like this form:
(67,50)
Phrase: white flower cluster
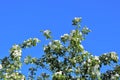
(77,37)
(16,51)
(15,75)
(81,46)
(55,44)
(114,76)
(30,41)
(47,32)
(36,39)
(65,36)
(77,19)
(89,60)
(0,66)
(97,58)
(72,32)
(86,30)
(85,52)
(114,55)
(45,48)
(95,70)
(59,73)
(84,63)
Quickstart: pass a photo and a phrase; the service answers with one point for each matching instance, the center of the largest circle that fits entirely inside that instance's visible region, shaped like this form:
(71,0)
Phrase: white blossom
(77,19)
(113,55)
(58,73)
(95,70)
(28,43)
(106,58)
(93,73)
(112,77)
(117,75)
(84,63)
(89,60)
(72,32)
(66,35)
(98,73)
(54,47)
(96,66)
(81,46)
(15,75)
(96,58)
(84,52)
(15,46)
(57,41)
(61,46)
(45,47)
(0,66)
(16,51)
(46,32)
(36,39)
(80,33)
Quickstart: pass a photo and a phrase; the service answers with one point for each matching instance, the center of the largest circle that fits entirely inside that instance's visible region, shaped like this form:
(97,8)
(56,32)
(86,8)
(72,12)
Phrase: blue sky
(22,19)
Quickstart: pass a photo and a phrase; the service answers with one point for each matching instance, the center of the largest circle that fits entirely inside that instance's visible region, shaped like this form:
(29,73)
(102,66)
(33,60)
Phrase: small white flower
(0,66)
(17,53)
(57,41)
(54,46)
(93,73)
(106,58)
(96,66)
(45,47)
(28,43)
(77,39)
(81,46)
(85,52)
(117,75)
(113,77)
(15,46)
(89,60)
(114,55)
(58,73)
(77,19)
(80,33)
(36,39)
(72,32)
(96,58)
(84,63)
(98,73)
(46,32)
(61,46)
(66,35)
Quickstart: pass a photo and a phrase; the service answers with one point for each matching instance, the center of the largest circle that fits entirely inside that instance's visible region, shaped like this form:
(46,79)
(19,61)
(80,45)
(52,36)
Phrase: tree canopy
(66,59)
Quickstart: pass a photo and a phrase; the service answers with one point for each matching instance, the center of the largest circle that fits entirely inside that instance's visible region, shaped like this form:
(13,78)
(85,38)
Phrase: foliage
(65,58)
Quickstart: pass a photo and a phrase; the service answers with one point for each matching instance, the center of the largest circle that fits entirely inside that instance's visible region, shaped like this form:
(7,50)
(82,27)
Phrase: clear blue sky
(22,19)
